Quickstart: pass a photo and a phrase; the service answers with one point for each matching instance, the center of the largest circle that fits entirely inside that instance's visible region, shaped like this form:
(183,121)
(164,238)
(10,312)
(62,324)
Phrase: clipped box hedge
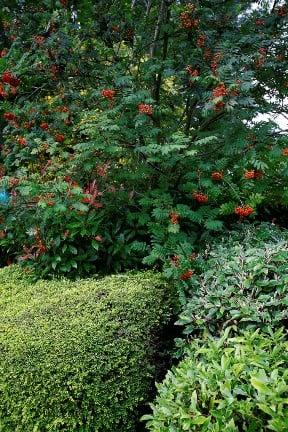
(78,356)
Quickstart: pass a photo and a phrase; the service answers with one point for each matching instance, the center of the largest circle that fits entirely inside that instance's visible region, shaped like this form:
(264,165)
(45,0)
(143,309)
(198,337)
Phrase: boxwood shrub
(243,283)
(78,356)
(226,385)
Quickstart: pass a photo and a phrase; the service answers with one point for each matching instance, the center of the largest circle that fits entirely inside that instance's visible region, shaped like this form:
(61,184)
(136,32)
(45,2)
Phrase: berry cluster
(244,211)
(3,93)
(187,275)
(60,138)
(220,91)
(145,109)
(175,259)
(54,69)
(282,11)
(252,174)
(215,60)
(9,116)
(174,218)
(260,60)
(12,81)
(207,54)
(9,78)
(200,42)
(44,126)
(187,22)
(22,141)
(200,197)
(192,72)
(108,94)
(39,39)
(219,106)
(217,176)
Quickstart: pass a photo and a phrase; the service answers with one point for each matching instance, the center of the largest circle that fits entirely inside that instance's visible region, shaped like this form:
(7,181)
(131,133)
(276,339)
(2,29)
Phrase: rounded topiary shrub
(227,385)
(78,356)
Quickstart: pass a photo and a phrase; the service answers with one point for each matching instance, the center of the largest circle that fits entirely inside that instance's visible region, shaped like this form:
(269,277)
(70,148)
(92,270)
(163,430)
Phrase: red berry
(244,211)
(187,275)
(59,138)
(219,106)
(249,174)
(9,78)
(54,70)
(44,126)
(192,72)
(200,197)
(187,22)
(207,54)
(108,94)
(22,141)
(201,41)
(3,93)
(9,116)
(14,82)
(6,77)
(219,91)
(175,260)
(39,39)
(64,109)
(145,109)
(42,247)
(174,218)
(217,176)
(253,174)
(282,11)
(28,125)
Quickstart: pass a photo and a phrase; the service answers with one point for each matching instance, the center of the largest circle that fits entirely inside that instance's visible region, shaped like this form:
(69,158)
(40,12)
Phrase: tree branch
(158,28)
(274,6)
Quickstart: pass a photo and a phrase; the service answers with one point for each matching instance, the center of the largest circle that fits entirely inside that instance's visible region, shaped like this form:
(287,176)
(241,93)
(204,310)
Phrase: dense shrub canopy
(128,127)
(229,385)
(243,283)
(78,356)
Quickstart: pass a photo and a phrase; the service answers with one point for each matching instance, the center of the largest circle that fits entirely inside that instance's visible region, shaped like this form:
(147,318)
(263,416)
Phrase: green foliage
(226,385)
(241,282)
(79,356)
(203,72)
